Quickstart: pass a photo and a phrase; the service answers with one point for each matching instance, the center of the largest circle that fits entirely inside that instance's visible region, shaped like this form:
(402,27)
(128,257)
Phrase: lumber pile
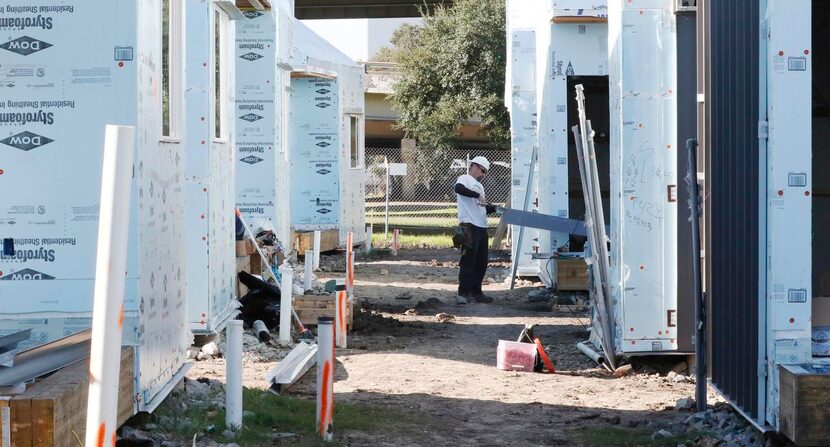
(311,307)
(305,241)
(52,411)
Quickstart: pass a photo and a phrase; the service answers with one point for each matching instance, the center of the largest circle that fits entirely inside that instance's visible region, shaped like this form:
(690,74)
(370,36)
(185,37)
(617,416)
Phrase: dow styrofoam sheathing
(257,118)
(69,69)
(643,86)
(278,45)
(789,178)
(210,190)
(313,54)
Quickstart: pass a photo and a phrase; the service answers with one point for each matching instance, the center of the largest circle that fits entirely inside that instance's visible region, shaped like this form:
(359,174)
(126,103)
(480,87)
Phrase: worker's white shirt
(469,210)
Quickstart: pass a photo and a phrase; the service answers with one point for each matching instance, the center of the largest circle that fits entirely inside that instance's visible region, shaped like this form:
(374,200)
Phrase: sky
(359,39)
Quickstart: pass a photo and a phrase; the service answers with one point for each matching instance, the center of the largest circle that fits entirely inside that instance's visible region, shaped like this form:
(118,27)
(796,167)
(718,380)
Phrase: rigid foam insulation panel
(209,187)
(68,70)
(520,100)
(643,84)
(263,46)
(269,46)
(341,87)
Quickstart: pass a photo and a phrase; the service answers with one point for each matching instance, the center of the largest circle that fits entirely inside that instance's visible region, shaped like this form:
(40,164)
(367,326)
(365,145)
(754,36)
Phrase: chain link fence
(423,200)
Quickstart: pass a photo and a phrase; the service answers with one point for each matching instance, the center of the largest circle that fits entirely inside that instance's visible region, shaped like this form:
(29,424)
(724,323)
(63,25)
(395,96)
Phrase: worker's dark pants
(473,261)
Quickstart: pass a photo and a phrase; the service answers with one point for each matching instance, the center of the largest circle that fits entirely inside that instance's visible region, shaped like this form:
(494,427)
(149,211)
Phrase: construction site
(414,223)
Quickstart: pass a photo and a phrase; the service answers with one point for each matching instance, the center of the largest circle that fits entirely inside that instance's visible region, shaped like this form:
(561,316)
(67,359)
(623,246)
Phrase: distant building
(360,39)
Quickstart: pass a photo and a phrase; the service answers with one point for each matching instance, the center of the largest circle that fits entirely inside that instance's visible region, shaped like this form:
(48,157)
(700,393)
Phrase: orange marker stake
(544,356)
(110,268)
(325,378)
(340,313)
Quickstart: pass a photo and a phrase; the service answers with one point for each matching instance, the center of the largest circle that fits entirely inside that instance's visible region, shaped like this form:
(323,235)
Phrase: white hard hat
(481,161)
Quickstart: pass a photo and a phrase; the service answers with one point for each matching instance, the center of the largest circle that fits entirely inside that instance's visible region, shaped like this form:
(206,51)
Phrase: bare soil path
(443,374)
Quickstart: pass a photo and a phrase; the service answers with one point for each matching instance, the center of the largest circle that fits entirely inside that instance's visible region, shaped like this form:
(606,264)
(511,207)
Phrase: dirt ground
(443,373)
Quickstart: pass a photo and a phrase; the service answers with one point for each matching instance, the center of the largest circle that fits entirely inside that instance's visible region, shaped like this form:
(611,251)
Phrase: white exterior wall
(565,49)
(523,19)
(210,188)
(66,92)
(788,70)
(541,56)
(643,85)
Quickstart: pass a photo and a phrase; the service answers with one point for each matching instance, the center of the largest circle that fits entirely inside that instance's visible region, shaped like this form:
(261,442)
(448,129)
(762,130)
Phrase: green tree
(452,71)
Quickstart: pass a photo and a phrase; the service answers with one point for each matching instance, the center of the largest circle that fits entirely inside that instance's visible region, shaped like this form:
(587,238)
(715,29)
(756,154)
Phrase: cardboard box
(240,248)
(243,264)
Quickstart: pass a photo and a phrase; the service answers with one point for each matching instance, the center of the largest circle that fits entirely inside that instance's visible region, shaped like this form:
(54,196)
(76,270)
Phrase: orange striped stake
(544,356)
(325,378)
(340,317)
(108,293)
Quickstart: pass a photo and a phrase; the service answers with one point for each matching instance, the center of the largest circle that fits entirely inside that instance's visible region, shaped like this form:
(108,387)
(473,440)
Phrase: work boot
(482,298)
(460,299)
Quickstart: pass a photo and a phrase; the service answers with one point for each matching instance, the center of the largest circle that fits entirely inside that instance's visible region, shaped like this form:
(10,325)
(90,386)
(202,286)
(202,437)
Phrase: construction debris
(444,317)
(622,371)
(296,364)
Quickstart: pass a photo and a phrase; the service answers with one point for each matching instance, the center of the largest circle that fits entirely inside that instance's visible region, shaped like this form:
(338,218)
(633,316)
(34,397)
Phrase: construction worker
(472,216)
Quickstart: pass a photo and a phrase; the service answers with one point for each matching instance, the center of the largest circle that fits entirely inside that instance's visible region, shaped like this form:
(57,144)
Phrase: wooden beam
(579,19)
(52,411)
(259,5)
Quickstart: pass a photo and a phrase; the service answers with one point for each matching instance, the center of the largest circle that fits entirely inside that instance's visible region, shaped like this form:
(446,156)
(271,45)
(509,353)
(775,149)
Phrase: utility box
(210,192)
(70,68)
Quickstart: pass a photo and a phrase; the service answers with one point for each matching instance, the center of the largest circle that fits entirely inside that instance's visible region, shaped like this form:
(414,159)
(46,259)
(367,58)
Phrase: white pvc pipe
(349,261)
(286,298)
(368,245)
(325,378)
(233,375)
(307,271)
(340,317)
(110,275)
(317,250)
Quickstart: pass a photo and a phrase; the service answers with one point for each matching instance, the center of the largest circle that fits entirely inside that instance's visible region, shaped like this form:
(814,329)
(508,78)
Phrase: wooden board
(52,411)
(571,274)
(329,240)
(804,411)
(311,307)
(579,19)
(243,264)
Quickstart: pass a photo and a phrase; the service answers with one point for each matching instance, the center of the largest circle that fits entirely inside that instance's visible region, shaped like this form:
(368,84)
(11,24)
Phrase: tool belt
(463,237)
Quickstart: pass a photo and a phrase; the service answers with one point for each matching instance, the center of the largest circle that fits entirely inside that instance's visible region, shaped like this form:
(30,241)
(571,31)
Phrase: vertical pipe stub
(325,377)
(316,249)
(307,270)
(340,320)
(233,372)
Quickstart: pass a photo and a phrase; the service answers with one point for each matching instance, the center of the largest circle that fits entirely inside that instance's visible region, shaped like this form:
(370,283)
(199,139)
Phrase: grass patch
(271,414)
(630,438)
(413,240)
